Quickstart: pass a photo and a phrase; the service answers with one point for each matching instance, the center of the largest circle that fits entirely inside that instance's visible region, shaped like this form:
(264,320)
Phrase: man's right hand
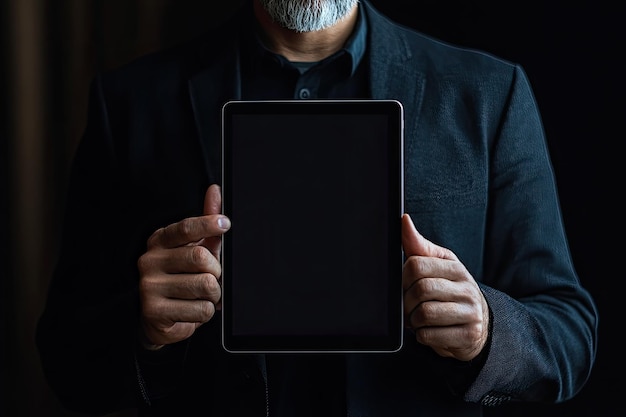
(179,275)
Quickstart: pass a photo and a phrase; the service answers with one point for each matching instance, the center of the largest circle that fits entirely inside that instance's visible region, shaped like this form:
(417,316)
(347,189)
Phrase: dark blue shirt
(306,384)
(267,76)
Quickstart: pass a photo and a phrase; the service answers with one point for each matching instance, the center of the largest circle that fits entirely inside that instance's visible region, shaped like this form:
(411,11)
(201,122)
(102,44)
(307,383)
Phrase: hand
(442,302)
(179,274)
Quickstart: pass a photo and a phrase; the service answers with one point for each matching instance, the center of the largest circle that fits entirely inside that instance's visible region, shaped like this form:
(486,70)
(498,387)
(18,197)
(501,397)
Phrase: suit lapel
(394,73)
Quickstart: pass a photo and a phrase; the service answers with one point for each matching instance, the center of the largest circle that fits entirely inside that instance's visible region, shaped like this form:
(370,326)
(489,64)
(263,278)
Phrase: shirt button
(304,93)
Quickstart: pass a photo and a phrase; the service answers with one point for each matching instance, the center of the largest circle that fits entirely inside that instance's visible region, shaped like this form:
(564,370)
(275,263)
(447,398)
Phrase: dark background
(573,53)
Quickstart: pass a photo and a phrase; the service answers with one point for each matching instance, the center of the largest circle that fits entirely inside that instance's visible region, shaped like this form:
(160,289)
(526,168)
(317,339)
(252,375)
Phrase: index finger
(189,230)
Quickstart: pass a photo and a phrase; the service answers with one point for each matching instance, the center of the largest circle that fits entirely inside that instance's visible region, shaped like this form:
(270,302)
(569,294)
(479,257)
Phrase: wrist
(146,343)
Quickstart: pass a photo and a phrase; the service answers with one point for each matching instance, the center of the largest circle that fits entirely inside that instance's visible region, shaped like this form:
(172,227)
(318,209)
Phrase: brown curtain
(50,50)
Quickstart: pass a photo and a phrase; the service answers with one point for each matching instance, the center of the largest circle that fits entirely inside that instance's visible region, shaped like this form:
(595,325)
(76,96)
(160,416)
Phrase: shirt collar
(355,45)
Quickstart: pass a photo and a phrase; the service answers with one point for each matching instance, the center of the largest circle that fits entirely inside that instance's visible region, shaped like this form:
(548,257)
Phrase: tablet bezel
(390,342)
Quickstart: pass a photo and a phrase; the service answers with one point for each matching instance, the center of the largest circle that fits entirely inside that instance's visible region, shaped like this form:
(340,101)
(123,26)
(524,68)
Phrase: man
(493,306)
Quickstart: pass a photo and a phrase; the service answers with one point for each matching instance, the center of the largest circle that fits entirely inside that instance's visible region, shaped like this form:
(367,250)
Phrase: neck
(304,46)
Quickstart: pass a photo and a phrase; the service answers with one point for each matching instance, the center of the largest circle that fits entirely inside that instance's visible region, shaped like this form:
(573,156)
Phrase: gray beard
(307,15)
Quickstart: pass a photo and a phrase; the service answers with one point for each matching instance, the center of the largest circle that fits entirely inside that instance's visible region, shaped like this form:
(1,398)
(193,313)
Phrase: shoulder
(174,64)
(431,55)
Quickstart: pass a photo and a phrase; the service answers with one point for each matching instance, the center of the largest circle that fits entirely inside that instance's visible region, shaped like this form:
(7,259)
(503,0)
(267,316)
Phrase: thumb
(213,205)
(213,200)
(414,244)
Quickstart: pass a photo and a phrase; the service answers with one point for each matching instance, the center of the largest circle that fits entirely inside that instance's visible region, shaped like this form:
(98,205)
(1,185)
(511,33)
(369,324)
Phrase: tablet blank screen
(314,206)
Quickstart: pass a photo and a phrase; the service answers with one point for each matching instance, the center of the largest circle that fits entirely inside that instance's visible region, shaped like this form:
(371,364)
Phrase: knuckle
(421,286)
(217,270)
(411,263)
(424,313)
(416,263)
(199,255)
(185,227)
(203,284)
(144,263)
(429,286)
(426,264)
(207,309)
(147,285)
(212,285)
(155,238)
(150,309)
(459,270)
(424,336)
(167,332)
(208,286)
(477,326)
(477,317)
(474,332)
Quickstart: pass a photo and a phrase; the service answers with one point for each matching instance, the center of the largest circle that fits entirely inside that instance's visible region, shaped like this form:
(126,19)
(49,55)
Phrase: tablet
(313,260)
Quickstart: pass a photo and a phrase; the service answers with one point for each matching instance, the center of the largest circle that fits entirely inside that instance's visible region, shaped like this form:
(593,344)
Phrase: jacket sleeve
(87,333)
(544,329)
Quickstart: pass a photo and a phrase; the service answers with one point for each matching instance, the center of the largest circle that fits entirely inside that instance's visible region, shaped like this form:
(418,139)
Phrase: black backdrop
(573,53)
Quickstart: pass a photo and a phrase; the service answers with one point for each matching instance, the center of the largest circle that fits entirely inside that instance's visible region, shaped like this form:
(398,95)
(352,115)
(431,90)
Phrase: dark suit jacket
(478,180)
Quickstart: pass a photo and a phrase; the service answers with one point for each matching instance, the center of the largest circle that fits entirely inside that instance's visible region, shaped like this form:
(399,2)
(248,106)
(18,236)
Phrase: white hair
(307,15)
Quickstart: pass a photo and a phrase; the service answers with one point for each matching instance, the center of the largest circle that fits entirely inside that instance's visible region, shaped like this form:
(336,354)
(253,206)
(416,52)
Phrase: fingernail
(223,223)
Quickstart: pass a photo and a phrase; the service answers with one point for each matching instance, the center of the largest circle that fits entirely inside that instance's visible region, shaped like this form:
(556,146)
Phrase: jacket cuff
(159,370)
(461,374)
